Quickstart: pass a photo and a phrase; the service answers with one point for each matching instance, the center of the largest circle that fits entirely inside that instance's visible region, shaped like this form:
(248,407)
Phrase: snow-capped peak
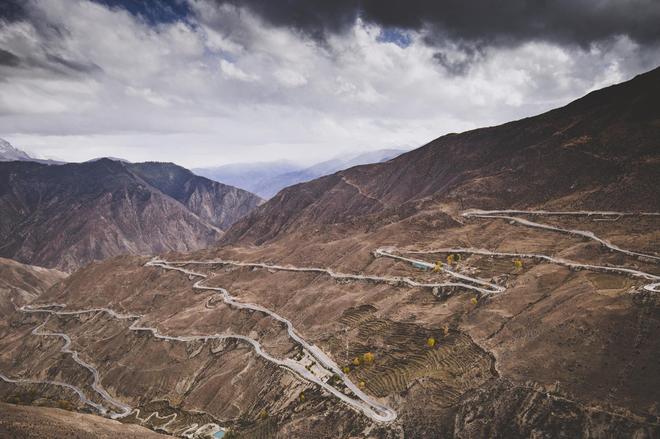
(9,153)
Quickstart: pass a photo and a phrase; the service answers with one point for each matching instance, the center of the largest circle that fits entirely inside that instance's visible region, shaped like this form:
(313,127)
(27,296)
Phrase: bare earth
(537,331)
(23,422)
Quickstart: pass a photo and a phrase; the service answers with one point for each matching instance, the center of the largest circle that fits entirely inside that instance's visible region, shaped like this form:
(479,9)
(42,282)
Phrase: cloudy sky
(204,82)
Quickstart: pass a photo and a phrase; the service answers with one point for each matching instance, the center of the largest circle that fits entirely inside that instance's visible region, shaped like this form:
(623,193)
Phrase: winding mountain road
(362,402)
(366,404)
(392,280)
(505,214)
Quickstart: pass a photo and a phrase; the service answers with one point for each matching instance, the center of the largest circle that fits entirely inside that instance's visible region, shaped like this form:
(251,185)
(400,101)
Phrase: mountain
(218,204)
(20,283)
(23,422)
(267,179)
(396,299)
(69,215)
(9,153)
(601,150)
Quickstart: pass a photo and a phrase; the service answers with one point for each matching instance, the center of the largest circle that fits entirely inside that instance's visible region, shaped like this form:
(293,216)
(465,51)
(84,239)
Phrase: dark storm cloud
(7,58)
(457,66)
(12,10)
(478,22)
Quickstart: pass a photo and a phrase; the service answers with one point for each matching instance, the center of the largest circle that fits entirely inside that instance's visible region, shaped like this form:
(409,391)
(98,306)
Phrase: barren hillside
(497,283)
(66,216)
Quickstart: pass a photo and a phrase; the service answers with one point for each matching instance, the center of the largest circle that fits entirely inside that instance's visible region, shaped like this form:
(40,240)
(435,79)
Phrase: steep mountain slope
(377,305)
(21,422)
(601,150)
(20,283)
(68,215)
(216,203)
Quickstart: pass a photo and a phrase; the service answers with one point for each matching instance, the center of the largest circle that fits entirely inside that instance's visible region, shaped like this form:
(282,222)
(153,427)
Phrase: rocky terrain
(380,302)
(21,284)
(24,422)
(66,216)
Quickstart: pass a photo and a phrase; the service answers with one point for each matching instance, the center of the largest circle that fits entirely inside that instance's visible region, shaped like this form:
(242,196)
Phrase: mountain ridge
(67,215)
(493,167)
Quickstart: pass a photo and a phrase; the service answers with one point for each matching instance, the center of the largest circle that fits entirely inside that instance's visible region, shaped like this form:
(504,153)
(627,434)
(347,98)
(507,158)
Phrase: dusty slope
(24,422)
(559,353)
(21,283)
(218,204)
(600,151)
(68,215)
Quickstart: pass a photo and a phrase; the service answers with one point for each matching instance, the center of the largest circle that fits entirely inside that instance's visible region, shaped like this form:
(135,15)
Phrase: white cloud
(290,78)
(224,86)
(231,71)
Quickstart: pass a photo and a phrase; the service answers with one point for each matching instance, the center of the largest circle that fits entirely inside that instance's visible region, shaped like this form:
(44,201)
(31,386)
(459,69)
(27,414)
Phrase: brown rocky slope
(557,352)
(65,216)
(600,151)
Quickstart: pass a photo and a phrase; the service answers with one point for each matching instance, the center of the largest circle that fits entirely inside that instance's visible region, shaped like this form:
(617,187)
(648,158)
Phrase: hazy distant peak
(267,178)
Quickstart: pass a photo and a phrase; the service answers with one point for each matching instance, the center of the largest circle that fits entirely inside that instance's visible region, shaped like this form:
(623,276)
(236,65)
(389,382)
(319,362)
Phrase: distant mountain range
(267,178)
(69,215)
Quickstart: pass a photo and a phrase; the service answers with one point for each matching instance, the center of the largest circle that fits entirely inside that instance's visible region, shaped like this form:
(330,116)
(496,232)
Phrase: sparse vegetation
(65,405)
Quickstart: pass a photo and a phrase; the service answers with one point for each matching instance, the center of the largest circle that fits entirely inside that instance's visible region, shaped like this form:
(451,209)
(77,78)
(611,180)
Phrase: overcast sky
(202,82)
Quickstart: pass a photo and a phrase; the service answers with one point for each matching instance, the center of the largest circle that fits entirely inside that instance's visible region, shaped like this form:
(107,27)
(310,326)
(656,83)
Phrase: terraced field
(454,364)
